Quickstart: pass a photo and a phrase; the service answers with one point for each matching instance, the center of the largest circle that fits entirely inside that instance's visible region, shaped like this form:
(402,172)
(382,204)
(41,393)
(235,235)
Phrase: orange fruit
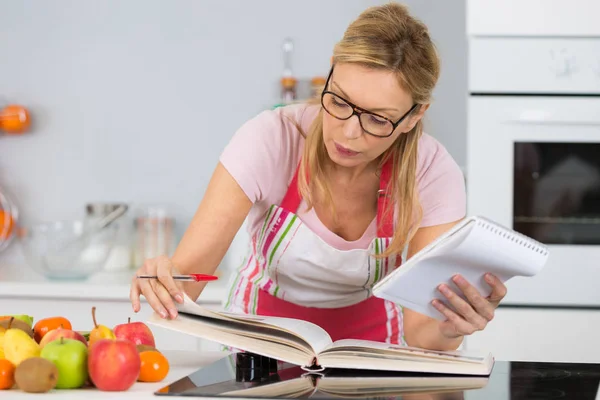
(45,325)
(154,366)
(7,374)
(6,225)
(14,119)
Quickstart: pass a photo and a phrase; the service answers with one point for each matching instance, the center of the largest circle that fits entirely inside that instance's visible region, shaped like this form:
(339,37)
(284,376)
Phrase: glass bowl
(59,250)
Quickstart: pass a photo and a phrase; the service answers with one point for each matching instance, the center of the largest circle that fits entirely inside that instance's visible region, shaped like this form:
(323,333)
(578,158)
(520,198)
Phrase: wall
(133,101)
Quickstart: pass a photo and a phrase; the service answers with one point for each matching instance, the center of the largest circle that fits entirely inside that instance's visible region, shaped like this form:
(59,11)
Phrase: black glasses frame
(356,110)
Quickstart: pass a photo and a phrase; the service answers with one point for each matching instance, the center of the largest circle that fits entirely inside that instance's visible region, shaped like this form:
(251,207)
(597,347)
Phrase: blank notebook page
(472,248)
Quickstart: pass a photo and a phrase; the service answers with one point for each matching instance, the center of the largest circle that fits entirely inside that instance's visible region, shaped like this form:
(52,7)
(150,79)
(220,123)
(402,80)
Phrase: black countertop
(508,381)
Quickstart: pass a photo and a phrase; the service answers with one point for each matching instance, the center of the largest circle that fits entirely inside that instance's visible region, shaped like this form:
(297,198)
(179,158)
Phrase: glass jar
(288,89)
(154,234)
(317,85)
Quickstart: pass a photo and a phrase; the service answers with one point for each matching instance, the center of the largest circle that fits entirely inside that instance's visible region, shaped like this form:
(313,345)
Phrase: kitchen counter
(22,282)
(512,380)
(182,363)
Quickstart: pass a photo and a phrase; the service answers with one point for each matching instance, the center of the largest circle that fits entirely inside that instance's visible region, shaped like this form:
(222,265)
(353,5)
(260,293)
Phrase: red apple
(113,364)
(60,332)
(136,332)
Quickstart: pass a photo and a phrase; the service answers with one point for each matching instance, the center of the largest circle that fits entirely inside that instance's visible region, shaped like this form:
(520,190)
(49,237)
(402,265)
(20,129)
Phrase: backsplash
(134,101)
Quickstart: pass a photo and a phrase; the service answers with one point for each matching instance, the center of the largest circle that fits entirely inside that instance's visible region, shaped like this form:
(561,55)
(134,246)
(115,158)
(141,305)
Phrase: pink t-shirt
(264,153)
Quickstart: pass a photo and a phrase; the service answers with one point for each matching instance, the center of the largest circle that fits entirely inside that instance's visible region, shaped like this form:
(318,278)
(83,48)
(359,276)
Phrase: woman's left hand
(472,315)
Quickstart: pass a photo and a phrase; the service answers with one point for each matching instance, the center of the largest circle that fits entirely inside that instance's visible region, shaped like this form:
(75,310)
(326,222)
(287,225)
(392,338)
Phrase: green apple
(70,357)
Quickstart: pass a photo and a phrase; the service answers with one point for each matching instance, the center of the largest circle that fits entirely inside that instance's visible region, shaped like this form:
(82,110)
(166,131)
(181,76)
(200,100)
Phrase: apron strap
(291,200)
(385,222)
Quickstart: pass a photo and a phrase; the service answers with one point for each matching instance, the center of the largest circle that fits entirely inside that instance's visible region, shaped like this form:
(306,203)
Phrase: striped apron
(291,272)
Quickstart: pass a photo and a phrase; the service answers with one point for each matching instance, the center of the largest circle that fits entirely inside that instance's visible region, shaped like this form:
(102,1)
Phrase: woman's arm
(426,332)
(206,240)
(219,217)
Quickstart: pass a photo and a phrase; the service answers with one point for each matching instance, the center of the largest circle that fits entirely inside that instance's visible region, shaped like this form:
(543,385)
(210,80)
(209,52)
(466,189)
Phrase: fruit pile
(51,355)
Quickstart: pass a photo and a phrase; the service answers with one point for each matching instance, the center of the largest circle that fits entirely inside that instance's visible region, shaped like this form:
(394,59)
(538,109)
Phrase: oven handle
(540,117)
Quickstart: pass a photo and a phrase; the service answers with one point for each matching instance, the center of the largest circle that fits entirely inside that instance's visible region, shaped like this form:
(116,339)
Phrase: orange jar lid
(288,81)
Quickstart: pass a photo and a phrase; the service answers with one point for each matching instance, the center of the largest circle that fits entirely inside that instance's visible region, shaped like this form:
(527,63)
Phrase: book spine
(314,366)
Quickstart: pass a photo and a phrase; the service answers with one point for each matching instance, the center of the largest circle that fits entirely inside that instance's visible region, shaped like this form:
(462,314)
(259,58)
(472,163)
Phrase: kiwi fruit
(36,375)
(145,347)
(17,324)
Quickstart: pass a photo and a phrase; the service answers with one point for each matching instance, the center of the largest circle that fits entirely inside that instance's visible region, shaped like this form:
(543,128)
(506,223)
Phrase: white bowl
(52,250)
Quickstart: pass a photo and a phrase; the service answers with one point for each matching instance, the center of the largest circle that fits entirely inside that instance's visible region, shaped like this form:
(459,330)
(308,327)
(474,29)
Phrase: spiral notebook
(471,248)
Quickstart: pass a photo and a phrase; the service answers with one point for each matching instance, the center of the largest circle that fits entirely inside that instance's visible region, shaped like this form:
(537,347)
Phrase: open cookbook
(309,346)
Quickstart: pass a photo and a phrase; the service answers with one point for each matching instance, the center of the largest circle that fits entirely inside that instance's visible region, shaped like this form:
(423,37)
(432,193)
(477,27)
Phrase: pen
(190,277)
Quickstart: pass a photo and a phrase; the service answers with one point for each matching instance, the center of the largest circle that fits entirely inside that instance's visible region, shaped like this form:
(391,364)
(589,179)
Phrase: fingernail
(163,314)
(444,289)
(489,278)
(173,313)
(179,298)
(459,280)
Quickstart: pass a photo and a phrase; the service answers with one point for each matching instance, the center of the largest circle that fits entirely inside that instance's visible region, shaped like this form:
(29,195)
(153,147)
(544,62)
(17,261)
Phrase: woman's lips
(344,151)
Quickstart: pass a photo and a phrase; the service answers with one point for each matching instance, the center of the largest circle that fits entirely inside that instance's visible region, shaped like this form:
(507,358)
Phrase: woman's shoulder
(434,157)
(296,118)
(263,153)
(440,182)
(288,117)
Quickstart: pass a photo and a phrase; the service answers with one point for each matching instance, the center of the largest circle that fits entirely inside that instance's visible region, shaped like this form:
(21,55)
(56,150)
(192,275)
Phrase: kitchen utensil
(190,277)
(94,228)
(121,256)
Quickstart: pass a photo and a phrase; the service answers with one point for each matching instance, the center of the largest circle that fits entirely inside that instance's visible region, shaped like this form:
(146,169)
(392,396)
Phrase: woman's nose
(352,128)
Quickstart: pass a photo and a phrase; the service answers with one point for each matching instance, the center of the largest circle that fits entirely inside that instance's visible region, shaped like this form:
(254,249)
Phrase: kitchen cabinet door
(529,334)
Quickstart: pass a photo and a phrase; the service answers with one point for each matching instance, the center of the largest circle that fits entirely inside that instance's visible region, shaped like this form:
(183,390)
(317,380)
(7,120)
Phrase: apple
(70,357)
(58,333)
(113,364)
(136,332)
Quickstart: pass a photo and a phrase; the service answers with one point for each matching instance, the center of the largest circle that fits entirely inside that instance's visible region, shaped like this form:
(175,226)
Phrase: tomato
(45,325)
(154,366)
(7,223)
(14,119)
(7,374)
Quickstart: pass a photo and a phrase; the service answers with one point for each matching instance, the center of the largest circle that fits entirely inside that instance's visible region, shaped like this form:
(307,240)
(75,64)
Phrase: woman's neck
(346,175)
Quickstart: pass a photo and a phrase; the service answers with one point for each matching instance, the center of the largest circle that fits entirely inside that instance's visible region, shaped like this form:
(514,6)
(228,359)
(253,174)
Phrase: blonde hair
(384,37)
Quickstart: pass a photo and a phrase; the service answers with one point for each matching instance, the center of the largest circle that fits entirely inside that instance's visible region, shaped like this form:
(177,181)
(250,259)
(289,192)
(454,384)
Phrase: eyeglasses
(371,123)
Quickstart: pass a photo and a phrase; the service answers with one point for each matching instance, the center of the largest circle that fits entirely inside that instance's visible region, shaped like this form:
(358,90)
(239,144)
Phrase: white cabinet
(530,334)
(533,17)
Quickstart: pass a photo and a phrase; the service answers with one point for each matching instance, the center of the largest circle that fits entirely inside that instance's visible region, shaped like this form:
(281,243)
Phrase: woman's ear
(416,116)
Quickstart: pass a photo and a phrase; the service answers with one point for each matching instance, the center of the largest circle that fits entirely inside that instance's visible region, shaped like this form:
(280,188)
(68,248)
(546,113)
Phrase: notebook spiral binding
(513,236)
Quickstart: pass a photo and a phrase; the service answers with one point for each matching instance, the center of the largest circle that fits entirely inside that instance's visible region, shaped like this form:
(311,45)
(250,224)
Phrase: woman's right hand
(160,292)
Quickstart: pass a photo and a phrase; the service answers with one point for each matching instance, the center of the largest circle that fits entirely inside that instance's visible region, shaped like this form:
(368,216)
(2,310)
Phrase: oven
(533,156)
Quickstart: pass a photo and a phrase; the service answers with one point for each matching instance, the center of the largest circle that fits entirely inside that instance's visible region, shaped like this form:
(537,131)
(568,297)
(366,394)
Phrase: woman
(333,193)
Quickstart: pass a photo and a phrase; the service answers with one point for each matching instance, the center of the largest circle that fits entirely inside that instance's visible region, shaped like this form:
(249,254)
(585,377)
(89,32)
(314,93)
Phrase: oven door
(534,166)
